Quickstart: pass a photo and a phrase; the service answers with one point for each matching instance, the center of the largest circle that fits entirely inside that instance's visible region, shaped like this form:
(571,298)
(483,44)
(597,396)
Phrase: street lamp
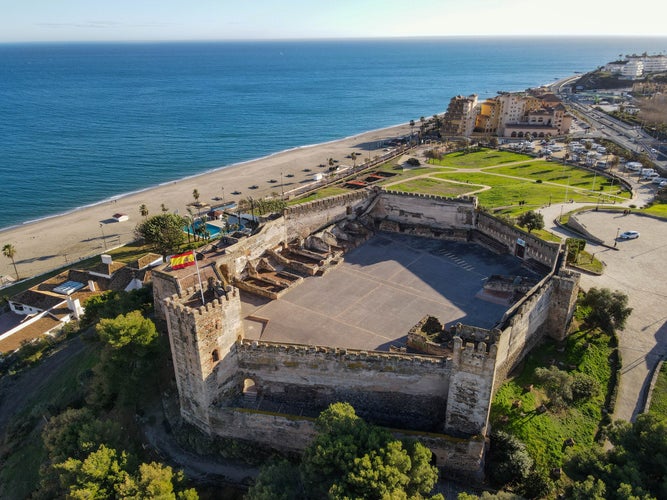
(618,229)
(103,237)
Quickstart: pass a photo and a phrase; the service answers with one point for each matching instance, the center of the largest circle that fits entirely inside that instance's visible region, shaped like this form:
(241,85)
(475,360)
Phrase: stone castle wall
(435,212)
(546,311)
(212,362)
(292,434)
(544,252)
(393,389)
(304,219)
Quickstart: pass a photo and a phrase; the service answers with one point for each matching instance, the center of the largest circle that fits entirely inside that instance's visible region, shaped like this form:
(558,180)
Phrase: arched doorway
(249,389)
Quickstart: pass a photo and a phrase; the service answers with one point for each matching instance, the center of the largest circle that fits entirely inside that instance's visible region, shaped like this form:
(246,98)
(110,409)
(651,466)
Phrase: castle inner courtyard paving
(381,290)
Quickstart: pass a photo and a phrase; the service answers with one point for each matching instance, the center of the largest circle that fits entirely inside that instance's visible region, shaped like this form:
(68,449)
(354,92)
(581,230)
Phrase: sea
(83,123)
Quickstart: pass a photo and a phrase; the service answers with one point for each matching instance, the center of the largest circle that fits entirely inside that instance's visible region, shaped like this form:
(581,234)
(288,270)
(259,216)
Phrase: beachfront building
(538,112)
(634,67)
(459,120)
(486,120)
(654,63)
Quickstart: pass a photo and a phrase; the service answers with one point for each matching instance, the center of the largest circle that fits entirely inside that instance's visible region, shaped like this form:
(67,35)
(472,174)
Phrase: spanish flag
(183,260)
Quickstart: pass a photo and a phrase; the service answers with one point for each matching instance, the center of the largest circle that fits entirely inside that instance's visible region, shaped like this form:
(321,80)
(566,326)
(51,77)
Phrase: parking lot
(381,290)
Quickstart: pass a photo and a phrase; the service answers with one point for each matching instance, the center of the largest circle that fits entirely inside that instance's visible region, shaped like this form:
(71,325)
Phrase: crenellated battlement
(330,353)
(473,354)
(188,302)
(462,199)
(325,203)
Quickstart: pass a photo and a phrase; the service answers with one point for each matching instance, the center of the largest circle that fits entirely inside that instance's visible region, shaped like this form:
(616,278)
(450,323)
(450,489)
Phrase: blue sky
(135,20)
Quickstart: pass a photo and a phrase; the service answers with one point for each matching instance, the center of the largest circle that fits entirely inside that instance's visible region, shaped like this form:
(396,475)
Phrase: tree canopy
(106,473)
(635,468)
(606,309)
(350,458)
(164,232)
(124,329)
(531,220)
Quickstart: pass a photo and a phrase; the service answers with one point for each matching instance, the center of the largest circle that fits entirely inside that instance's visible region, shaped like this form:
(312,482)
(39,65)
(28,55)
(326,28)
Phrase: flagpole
(201,287)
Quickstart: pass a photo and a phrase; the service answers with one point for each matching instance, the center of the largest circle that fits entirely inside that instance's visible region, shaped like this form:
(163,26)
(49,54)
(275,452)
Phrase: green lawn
(479,159)
(659,394)
(508,192)
(563,174)
(657,209)
(428,185)
(545,433)
(517,182)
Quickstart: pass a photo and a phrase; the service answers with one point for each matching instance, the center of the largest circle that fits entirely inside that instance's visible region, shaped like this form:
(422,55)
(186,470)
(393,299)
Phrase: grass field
(504,182)
(429,185)
(545,433)
(478,159)
(659,395)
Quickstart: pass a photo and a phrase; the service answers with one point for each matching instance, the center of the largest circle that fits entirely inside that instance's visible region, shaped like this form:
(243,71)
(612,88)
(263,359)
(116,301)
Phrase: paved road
(636,268)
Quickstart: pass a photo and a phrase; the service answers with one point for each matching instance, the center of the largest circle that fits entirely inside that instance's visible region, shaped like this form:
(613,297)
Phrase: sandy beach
(58,241)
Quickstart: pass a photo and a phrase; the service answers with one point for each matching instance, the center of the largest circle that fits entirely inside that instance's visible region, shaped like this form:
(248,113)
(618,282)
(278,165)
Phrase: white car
(629,235)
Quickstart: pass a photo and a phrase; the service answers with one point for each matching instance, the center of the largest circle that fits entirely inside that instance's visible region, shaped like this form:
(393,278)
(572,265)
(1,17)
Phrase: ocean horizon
(84,123)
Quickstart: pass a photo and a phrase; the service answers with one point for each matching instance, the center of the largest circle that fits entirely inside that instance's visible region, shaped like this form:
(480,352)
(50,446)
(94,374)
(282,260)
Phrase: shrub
(584,386)
(509,462)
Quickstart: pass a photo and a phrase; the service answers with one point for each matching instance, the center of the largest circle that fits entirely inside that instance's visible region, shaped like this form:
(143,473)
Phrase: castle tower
(563,302)
(470,386)
(202,339)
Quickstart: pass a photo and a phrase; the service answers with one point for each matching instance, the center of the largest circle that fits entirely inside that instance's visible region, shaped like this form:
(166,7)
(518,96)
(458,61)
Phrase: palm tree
(412,126)
(195,195)
(192,223)
(164,208)
(9,251)
(143,209)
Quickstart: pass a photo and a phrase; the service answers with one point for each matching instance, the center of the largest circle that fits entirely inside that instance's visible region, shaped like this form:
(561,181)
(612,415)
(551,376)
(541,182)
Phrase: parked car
(650,176)
(629,235)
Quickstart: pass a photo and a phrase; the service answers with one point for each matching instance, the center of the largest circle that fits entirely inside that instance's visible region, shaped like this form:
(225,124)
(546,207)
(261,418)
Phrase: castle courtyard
(381,290)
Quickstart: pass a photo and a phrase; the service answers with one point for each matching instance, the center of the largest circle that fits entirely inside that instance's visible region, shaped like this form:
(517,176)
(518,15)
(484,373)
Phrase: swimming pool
(213,231)
(216,231)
